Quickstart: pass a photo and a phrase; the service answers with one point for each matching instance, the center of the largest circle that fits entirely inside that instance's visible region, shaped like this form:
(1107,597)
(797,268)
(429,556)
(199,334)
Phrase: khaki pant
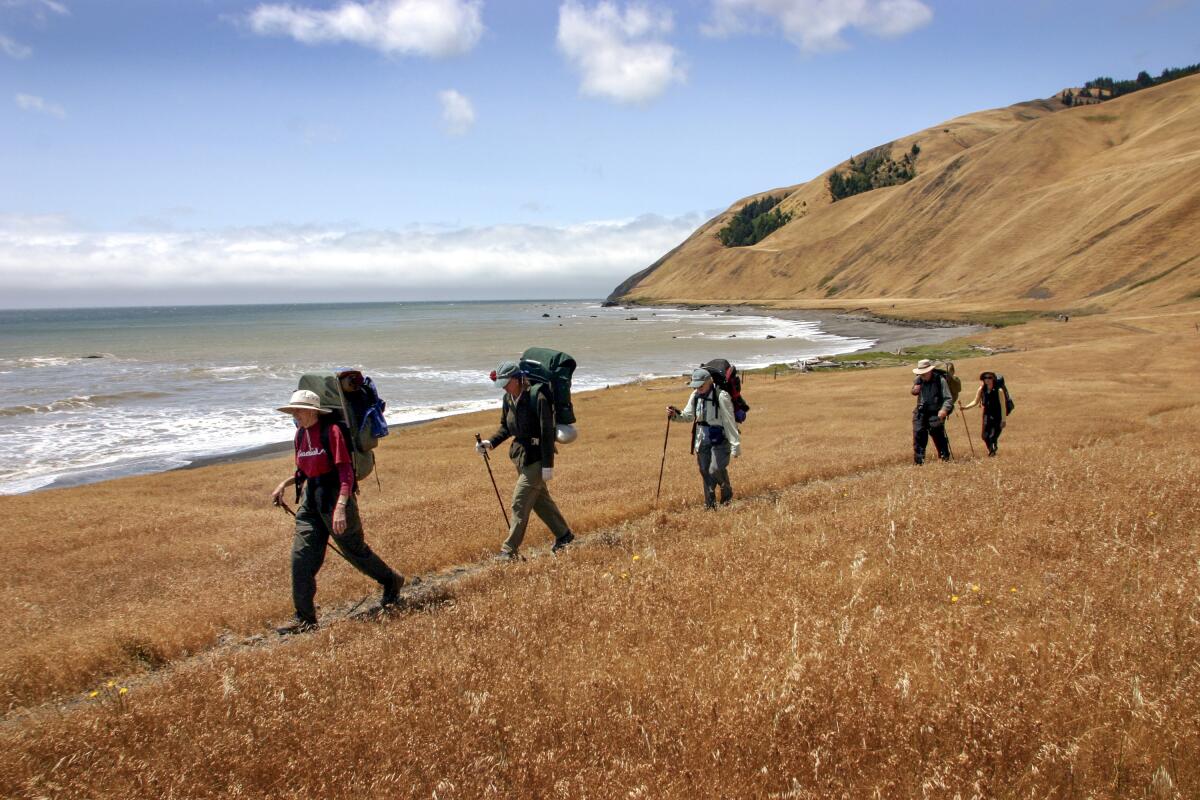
(532,494)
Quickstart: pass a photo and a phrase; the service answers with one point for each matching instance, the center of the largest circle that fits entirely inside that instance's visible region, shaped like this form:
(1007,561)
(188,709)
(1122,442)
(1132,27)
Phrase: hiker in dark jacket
(324,478)
(934,404)
(527,417)
(717,437)
(992,397)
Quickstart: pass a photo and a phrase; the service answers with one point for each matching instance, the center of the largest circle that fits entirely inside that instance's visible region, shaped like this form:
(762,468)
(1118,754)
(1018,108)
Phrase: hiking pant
(532,494)
(314,526)
(926,425)
(991,433)
(714,470)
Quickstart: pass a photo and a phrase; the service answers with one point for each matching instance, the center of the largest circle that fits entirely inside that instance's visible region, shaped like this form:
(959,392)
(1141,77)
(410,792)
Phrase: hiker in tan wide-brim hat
(326,490)
(934,404)
(304,400)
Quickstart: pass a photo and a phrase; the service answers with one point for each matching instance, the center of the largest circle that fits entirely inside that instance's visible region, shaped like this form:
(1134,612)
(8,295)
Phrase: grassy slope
(804,641)
(1031,207)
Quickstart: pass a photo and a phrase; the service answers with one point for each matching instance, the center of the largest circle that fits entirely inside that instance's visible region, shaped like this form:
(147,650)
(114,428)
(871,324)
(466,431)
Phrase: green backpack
(553,368)
(338,392)
(952,380)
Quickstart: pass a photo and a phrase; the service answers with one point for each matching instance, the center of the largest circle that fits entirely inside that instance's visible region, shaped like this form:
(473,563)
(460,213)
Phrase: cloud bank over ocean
(44,261)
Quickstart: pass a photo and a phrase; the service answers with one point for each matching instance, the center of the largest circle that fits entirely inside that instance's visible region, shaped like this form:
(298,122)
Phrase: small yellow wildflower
(93,693)
(953,598)
(1151,514)
(1013,590)
(975,587)
(123,690)
(637,558)
(111,684)
(624,575)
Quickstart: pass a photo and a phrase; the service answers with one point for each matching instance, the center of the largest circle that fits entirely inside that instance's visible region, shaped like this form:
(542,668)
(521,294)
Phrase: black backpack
(1009,405)
(725,376)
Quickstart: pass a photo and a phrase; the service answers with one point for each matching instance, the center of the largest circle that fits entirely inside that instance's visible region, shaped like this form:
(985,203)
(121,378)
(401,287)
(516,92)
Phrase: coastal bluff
(1037,208)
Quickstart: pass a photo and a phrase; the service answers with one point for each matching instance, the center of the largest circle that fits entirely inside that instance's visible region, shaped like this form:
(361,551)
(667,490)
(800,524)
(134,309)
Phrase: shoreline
(887,334)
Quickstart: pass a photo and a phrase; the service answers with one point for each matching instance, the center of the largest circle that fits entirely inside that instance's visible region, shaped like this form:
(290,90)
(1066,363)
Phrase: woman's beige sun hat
(923,366)
(304,400)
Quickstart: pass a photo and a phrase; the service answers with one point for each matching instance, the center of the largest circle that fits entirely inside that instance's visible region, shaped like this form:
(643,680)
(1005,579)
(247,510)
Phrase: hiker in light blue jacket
(717,437)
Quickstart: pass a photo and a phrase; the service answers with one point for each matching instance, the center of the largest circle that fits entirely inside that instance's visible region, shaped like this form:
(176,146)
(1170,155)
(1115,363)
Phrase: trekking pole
(663,464)
(487,461)
(968,430)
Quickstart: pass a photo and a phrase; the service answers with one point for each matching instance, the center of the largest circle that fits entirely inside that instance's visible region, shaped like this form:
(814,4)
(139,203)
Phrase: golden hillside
(1036,206)
(851,626)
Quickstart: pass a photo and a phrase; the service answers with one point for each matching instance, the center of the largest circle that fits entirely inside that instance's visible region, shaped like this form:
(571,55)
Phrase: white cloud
(41,256)
(38,8)
(14,49)
(458,115)
(620,56)
(396,27)
(817,25)
(31,102)
(57,8)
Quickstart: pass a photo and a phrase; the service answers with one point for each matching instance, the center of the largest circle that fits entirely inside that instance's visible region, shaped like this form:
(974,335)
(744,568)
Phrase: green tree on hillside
(872,170)
(1143,81)
(754,222)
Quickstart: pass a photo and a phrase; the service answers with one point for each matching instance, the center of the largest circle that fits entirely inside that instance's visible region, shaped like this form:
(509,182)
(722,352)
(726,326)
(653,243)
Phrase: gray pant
(714,469)
(532,494)
(314,526)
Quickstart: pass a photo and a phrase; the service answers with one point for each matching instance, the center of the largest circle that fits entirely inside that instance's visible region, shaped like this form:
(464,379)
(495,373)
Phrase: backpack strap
(349,451)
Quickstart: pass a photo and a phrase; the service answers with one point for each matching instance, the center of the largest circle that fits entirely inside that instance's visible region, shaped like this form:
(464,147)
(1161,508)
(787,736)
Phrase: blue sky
(221,150)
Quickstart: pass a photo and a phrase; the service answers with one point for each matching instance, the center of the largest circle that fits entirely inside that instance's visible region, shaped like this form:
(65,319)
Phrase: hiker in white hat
(935,402)
(325,489)
(717,438)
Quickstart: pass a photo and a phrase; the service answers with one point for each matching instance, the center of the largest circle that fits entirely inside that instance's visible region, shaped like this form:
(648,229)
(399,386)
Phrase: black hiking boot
(297,625)
(506,557)
(559,544)
(391,592)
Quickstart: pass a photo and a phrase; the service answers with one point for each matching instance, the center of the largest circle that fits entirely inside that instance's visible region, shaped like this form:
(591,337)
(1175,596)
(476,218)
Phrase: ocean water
(91,394)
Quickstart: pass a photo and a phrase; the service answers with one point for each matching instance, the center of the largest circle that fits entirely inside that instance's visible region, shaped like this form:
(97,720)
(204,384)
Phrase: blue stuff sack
(715,434)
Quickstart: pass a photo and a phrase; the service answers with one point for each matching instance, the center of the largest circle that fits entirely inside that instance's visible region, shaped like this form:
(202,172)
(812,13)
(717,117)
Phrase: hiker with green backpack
(935,403)
(326,484)
(532,389)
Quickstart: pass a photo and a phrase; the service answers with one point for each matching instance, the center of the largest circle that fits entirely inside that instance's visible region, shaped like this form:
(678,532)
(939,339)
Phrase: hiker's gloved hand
(737,450)
(672,412)
(483,446)
(547,473)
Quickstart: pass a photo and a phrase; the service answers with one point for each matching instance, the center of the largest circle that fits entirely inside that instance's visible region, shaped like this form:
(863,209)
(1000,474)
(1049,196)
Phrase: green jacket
(531,429)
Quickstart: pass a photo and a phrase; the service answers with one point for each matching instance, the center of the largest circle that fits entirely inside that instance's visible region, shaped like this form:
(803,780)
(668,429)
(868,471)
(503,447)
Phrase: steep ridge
(1035,207)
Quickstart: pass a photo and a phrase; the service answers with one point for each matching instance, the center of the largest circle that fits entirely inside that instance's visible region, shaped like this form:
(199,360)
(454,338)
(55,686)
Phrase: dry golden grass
(1026,626)
(1029,207)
